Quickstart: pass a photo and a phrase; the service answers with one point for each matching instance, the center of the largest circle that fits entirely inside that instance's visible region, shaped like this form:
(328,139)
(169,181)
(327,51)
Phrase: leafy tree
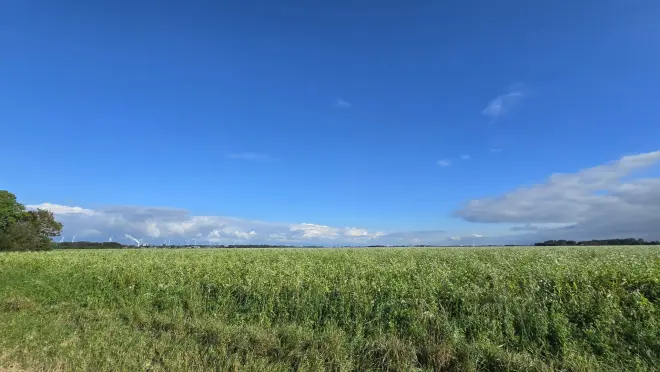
(10,210)
(22,230)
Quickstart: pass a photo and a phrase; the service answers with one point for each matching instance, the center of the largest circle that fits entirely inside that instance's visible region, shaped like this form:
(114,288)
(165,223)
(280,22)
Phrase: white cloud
(251,156)
(444,163)
(495,150)
(155,224)
(342,104)
(503,103)
(313,231)
(320,232)
(539,226)
(61,209)
(245,235)
(426,236)
(465,157)
(525,227)
(351,231)
(597,202)
(231,232)
(152,229)
(277,237)
(90,232)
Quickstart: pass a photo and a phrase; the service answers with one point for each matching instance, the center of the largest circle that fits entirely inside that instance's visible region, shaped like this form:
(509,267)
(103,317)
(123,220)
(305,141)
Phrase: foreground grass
(531,309)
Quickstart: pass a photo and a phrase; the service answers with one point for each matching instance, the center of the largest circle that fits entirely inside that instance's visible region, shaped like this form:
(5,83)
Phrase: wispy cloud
(495,150)
(465,157)
(444,163)
(251,156)
(63,209)
(503,103)
(342,104)
(526,227)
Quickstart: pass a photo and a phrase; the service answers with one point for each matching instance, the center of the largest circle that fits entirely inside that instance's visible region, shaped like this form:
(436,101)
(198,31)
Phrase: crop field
(429,309)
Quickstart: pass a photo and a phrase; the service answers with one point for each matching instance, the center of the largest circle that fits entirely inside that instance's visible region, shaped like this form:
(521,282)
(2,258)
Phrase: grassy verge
(517,309)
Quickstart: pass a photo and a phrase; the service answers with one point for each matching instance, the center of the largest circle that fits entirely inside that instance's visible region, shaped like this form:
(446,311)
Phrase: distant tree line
(88,245)
(596,242)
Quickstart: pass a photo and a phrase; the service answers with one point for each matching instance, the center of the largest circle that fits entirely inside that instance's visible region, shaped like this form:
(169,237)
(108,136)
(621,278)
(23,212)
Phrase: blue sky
(387,118)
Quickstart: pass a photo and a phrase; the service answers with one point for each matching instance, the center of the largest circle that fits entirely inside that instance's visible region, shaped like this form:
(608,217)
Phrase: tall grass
(531,309)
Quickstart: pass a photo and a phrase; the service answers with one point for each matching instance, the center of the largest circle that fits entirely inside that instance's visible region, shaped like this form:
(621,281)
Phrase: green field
(517,309)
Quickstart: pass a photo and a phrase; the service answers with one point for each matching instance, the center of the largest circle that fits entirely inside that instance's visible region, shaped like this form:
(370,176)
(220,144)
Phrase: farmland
(517,309)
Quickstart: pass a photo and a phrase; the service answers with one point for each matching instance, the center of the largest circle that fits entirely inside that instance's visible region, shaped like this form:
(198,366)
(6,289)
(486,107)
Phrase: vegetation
(89,245)
(516,309)
(22,230)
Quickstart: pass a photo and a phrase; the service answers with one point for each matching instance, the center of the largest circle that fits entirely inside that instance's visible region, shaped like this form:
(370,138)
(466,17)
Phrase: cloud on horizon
(601,202)
(595,203)
(156,225)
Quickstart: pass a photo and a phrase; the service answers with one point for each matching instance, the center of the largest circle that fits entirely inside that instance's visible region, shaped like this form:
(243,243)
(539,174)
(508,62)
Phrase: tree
(10,210)
(22,230)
